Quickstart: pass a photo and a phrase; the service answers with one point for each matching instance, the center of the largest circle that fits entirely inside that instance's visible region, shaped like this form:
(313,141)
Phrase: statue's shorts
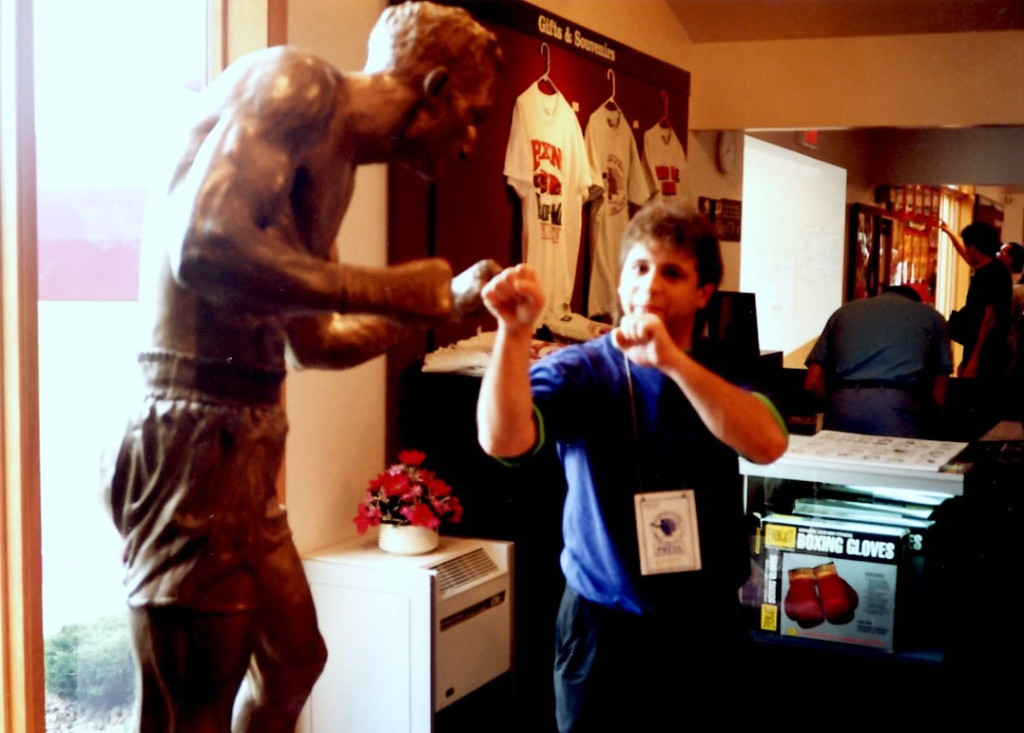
(192,490)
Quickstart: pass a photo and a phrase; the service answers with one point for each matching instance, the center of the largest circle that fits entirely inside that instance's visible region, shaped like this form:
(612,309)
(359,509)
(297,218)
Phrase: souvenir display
(547,165)
(666,163)
(613,156)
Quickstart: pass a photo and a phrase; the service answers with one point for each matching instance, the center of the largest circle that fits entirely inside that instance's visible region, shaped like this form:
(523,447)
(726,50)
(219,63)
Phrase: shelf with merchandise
(917,205)
(847,545)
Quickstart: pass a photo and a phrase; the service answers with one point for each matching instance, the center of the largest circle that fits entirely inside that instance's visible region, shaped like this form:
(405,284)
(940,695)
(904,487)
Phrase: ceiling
(710,21)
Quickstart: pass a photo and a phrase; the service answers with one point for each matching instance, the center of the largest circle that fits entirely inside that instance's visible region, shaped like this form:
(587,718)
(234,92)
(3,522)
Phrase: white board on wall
(794,215)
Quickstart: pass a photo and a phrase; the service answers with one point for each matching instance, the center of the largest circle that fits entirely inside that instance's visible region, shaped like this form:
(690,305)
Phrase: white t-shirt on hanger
(665,160)
(546,163)
(613,155)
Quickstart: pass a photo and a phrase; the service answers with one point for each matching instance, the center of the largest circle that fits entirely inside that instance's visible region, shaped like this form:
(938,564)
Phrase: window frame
(21,649)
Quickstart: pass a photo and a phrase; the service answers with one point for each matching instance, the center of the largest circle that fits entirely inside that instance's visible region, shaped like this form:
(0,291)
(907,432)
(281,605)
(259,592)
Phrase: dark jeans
(876,411)
(619,671)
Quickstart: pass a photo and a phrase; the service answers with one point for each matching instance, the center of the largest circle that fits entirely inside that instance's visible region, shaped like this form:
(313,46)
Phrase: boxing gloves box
(831,581)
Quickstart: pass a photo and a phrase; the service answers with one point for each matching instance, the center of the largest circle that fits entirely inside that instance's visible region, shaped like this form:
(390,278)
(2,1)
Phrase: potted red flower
(408,502)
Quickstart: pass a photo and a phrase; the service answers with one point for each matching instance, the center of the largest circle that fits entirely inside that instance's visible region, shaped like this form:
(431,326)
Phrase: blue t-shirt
(888,337)
(582,396)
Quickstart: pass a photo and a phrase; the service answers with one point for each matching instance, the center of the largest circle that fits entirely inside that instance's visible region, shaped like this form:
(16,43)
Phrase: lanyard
(668,540)
(636,429)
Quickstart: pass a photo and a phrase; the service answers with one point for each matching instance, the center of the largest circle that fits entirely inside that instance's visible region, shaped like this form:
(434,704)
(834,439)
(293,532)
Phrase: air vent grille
(459,572)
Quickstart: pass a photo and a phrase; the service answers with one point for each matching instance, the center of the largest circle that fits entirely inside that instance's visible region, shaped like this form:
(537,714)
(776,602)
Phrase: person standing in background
(1011,254)
(986,314)
(983,323)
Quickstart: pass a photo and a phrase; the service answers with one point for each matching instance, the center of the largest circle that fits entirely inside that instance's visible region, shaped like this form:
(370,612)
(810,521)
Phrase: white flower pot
(405,539)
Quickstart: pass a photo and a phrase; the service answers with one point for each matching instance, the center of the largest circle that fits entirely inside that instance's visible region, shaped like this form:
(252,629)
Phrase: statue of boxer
(240,270)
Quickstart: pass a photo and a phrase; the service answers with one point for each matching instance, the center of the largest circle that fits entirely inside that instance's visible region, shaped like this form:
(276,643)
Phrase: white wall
(930,80)
(1013,223)
(336,443)
(1013,210)
(706,180)
(793,249)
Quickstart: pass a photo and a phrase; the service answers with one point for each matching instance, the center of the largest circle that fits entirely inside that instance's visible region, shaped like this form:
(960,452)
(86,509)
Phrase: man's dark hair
(905,290)
(983,237)
(663,225)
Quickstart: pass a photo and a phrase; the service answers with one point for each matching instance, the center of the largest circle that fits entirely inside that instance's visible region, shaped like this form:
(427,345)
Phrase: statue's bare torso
(265,177)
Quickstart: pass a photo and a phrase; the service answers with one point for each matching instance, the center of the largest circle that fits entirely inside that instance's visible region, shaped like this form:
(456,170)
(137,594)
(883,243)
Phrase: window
(112,79)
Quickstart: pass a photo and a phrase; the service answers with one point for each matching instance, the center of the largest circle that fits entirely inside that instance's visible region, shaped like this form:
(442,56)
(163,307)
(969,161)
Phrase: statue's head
(448,59)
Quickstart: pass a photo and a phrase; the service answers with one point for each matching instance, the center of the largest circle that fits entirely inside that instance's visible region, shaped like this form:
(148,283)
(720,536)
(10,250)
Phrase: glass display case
(843,548)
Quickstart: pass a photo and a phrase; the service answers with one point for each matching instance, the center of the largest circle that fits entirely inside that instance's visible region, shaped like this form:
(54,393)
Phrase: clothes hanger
(664,121)
(610,104)
(544,83)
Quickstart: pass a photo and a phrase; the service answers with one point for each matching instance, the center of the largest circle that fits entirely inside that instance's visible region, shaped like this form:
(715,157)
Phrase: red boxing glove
(802,603)
(838,598)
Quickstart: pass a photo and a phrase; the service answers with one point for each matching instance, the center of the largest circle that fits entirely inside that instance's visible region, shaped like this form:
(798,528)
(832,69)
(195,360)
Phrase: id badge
(666,531)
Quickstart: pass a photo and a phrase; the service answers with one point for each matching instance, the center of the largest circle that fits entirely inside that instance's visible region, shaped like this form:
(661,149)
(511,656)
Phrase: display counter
(842,534)
(869,461)
(927,553)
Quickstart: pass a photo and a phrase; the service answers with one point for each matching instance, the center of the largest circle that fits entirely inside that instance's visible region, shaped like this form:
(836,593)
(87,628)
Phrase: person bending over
(882,365)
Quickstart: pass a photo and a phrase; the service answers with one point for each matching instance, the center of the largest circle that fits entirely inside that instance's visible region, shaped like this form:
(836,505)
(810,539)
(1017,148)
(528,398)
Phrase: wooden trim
(277,22)
(21,635)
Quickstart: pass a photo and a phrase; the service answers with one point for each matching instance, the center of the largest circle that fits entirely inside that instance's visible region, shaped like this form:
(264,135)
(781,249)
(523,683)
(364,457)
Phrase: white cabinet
(406,635)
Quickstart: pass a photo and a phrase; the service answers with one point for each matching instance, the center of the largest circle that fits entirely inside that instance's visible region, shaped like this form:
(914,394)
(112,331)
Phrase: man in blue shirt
(648,438)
